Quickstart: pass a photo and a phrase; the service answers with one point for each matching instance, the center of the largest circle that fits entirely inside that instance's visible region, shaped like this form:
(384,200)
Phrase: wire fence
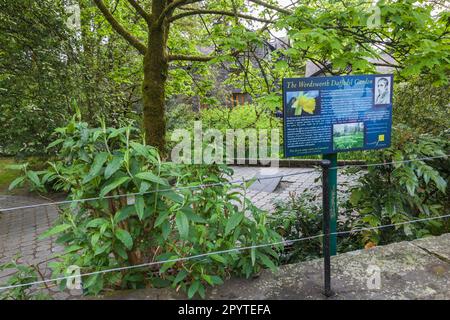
(237,249)
(220,252)
(208,185)
(233,182)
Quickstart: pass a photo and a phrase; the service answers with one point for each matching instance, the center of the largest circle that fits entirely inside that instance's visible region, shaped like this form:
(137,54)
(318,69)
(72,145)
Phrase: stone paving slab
(297,181)
(265,184)
(406,272)
(439,248)
(19,233)
(20,229)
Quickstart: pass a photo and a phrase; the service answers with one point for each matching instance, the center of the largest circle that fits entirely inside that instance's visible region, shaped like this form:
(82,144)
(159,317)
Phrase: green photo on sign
(348,136)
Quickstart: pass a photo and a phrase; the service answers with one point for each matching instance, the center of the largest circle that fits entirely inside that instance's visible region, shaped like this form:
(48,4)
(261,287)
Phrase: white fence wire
(237,249)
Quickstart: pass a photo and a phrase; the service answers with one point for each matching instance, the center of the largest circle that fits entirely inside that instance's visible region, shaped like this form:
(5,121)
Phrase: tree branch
(181,57)
(119,28)
(147,17)
(168,10)
(271,6)
(218,12)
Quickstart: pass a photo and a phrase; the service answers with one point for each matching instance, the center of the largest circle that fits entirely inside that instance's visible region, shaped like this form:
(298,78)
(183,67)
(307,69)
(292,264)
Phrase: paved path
(19,232)
(307,178)
(19,229)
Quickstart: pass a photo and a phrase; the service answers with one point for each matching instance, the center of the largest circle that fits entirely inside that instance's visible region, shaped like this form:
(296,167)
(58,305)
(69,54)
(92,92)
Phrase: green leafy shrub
(251,116)
(23,276)
(301,217)
(382,195)
(158,223)
(422,105)
(404,191)
(240,117)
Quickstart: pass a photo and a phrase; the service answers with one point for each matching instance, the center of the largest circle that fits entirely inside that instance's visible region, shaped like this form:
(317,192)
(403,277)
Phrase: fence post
(332,187)
(326,227)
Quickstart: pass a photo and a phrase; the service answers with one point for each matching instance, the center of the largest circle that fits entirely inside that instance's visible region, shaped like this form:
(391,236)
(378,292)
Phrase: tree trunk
(155,75)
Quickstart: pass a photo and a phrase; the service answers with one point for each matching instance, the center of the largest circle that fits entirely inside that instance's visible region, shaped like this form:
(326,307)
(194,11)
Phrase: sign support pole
(326,228)
(331,186)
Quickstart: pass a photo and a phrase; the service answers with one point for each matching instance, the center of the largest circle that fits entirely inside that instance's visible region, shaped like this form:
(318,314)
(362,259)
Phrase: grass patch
(351,141)
(7,175)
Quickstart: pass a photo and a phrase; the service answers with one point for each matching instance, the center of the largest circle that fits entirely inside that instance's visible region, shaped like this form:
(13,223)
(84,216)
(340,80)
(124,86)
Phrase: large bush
(407,190)
(35,79)
(159,223)
(422,105)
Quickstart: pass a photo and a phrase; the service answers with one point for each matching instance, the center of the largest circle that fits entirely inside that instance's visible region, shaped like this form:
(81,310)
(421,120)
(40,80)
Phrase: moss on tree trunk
(156,64)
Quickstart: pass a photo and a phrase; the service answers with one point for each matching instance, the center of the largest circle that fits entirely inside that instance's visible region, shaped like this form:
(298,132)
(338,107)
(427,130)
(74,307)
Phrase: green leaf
(253,255)
(356,196)
(72,248)
(34,178)
(161,217)
(148,176)
(266,261)
(94,284)
(218,258)
(216,280)
(173,196)
(90,281)
(165,228)
(139,204)
(193,288)
(144,151)
(182,224)
(125,237)
(94,239)
(233,221)
(116,182)
(121,251)
(96,222)
(124,213)
(440,182)
(97,165)
(167,265)
(192,216)
(212,280)
(55,230)
(180,276)
(102,249)
(144,187)
(55,143)
(113,166)
(16,182)
(116,132)
(201,291)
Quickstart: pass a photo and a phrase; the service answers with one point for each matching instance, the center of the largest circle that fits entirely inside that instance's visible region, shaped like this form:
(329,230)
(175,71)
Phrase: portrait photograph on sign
(325,115)
(382,91)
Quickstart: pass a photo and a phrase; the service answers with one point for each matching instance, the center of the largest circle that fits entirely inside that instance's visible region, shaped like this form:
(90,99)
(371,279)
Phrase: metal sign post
(331,186)
(327,115)
(326,201)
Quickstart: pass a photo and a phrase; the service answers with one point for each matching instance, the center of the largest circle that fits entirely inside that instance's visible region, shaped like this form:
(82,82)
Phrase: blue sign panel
(336,114)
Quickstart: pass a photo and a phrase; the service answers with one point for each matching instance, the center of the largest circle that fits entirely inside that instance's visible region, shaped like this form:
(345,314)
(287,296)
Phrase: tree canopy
(125,60)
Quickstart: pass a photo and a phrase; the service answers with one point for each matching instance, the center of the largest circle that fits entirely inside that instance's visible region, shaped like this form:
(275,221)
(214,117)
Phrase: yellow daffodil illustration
(306,104)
